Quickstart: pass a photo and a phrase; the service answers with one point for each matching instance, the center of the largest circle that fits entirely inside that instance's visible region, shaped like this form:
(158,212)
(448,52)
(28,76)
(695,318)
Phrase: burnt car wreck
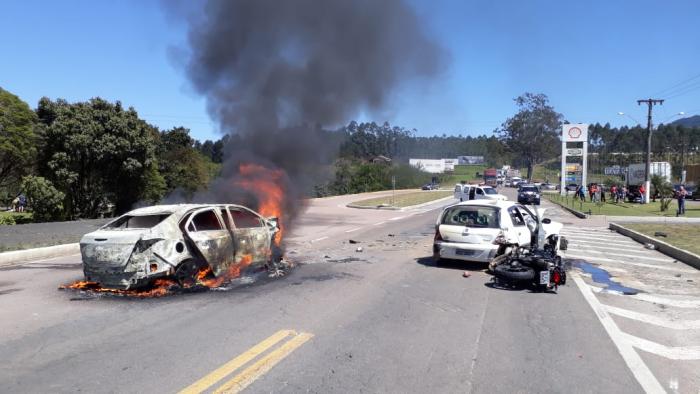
(185,242)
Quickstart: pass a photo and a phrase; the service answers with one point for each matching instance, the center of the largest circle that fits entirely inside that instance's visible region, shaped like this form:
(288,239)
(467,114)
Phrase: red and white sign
(575,132)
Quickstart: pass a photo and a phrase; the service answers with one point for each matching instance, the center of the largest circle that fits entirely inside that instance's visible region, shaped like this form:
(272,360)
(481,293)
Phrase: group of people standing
(618,194)
(19,203)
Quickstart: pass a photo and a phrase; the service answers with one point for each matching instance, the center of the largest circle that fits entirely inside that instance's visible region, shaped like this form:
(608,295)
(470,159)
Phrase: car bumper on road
(467,252)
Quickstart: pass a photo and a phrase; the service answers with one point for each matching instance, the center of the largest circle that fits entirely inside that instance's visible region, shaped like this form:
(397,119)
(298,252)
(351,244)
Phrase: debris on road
(466,274)
(359,249)
(352,241)
(649,246)
(391,235)
(660,234)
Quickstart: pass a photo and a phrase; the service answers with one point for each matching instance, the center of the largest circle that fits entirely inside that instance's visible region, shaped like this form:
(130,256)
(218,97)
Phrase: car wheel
(517,273)
(186,273)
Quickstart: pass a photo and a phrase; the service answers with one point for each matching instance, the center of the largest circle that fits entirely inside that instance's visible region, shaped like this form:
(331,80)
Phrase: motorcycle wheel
(514,273)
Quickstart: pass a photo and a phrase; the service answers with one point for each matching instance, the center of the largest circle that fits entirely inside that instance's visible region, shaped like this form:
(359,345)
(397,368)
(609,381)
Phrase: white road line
(670,352)
(590,233)
(638,248)
(398,218)
(634,362)
(379,224)
(676,303)
(655,320)
(319,239)
(353,229)
(636,256)
(598,238)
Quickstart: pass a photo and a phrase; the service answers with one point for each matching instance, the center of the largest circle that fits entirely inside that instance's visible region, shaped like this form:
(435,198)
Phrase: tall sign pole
(647,169)
(574,172)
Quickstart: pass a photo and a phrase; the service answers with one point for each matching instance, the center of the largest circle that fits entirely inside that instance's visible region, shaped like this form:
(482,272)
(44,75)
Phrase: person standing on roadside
(680,195)
(613,193)
(22,202)
(642,191)
(582,193)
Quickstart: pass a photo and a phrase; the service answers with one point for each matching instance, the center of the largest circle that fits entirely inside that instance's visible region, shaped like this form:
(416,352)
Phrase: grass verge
(405,199)
(684,236)
(692,209)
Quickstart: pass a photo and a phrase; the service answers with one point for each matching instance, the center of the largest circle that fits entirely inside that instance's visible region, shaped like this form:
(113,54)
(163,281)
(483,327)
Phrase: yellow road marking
(226,369)
(239,382)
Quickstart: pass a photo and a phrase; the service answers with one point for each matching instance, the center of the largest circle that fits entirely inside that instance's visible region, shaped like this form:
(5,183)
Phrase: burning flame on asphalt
(266,184)
(164,286)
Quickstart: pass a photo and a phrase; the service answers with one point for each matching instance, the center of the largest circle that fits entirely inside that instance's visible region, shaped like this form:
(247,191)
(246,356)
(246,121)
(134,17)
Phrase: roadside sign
(574,152)
(575,132)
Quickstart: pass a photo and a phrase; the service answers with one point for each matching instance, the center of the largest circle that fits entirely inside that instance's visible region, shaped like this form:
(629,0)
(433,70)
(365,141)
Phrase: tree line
(87,159)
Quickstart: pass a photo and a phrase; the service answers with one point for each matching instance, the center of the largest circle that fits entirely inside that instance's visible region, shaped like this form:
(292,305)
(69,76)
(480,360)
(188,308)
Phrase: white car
(176,241)
(469,230)
(476,192)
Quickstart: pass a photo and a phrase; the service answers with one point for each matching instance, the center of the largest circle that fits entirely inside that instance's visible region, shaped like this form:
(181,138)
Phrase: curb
(576,213)
(15,256)
(390,208)
(681,255)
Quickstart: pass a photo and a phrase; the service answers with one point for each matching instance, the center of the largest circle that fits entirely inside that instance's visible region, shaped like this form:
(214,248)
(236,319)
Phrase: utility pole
(647,171)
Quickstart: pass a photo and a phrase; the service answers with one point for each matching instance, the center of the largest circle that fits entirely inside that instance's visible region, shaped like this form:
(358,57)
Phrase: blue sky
(591,58)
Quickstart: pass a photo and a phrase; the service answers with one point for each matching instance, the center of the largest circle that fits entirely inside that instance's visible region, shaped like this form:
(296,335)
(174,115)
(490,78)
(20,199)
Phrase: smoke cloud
(275,73)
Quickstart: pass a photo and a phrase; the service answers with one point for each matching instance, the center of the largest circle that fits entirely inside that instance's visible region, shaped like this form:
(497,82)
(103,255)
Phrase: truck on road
(491,177)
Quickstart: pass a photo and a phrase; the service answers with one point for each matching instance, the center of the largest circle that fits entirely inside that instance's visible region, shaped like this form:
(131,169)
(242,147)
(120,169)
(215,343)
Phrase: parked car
(571,187)
(529,194)
(633,194)
(548,186)
(176,241)
(430,186)
(512,182)
(474,230)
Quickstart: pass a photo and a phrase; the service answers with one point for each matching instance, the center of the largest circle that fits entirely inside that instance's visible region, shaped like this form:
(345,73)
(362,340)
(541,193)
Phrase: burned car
(180,242)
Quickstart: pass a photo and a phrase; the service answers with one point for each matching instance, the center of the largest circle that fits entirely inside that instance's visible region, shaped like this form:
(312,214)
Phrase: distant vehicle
(513,181)
(636,172)
(430,186)
(464,192)
(633,194)
(571,187)
(473,230)
(491,177)
(548,186)
(529,194)
(517,185)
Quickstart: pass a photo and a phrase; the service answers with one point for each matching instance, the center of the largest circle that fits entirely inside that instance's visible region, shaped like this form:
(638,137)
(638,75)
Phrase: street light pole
(647,170)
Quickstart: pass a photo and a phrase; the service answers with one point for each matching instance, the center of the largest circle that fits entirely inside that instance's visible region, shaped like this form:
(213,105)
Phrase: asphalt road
(381,320)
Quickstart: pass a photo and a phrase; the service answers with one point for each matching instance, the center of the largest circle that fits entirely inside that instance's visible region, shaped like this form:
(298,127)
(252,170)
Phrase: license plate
(464,252)
(544,277)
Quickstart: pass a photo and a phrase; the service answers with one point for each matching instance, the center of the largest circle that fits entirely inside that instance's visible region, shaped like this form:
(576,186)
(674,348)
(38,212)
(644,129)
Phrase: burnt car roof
(175,208)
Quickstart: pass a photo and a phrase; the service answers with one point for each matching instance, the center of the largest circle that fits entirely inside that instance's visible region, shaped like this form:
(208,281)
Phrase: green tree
(663,189)
(45,201)
(182,166)
(532,134)
(17,139)
(97,153)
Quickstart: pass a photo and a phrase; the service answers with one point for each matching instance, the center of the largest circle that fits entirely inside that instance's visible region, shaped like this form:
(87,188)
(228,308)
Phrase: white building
(434,166)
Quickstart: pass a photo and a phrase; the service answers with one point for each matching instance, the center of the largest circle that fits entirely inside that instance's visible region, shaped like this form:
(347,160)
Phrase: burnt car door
(251,236)
(213,241)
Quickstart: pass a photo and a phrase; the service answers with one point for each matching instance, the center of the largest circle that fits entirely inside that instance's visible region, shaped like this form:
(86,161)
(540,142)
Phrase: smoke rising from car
(275,74)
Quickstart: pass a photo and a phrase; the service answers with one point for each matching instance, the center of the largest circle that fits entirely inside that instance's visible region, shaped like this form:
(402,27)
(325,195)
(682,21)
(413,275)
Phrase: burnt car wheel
(186,273)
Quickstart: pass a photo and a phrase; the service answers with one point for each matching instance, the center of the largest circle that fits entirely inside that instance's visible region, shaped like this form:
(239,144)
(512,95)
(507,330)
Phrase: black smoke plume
(275,73)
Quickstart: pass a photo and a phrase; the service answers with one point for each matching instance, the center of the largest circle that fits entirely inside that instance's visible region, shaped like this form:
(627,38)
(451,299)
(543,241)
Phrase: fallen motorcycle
(537,265)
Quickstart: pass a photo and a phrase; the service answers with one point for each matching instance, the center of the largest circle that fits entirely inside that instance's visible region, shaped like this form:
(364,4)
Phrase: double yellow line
(260,367)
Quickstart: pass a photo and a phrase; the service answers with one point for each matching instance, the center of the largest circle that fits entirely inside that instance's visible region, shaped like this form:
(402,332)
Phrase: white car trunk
(110,248)
(470,235)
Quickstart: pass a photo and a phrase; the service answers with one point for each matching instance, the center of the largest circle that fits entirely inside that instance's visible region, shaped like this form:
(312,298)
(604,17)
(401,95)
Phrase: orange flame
(163,286)
(266,184)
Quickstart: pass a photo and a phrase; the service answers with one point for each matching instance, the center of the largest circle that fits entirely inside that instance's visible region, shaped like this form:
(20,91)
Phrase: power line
(668,89)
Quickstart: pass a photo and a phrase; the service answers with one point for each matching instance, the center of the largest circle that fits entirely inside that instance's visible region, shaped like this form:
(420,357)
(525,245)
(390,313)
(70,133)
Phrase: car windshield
(488,190)
(528,189)
(129,221)
(472,216)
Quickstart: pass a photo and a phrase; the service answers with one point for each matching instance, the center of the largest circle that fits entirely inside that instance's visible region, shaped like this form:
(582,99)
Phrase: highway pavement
(383,319)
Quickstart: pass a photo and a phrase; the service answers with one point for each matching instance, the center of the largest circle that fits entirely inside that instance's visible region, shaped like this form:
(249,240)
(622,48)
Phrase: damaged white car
(176,241)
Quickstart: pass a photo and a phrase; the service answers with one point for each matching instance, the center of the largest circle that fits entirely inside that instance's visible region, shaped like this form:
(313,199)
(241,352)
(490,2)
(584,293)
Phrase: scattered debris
(352,241)
(688,280)
(391,235)
(660,234)
(678,275)
(466,274)
(359,249)
(650,246)
(326,257)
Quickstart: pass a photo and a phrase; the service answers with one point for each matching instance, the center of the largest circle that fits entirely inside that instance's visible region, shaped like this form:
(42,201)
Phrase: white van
(477,192)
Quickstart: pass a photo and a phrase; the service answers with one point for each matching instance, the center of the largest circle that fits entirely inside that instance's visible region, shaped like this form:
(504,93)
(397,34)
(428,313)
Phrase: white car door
(519,229)
(213,241)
